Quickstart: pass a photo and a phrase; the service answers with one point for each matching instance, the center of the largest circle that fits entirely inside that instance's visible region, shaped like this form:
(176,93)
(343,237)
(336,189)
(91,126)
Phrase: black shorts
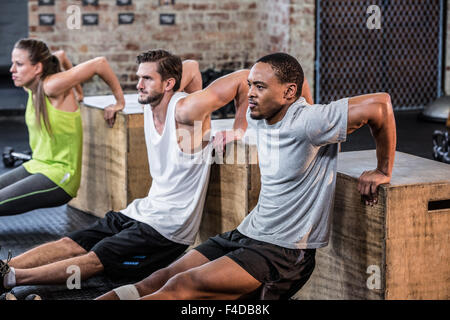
(127,248)
(281,271)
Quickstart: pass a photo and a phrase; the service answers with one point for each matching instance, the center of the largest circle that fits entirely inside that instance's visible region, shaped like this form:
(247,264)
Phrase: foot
(33,297)
(8,296)
(4,270)
(11,296)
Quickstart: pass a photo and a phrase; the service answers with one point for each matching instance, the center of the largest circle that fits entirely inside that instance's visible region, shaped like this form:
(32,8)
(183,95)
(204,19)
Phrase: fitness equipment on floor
(438,110)
(441,146)
(10,157)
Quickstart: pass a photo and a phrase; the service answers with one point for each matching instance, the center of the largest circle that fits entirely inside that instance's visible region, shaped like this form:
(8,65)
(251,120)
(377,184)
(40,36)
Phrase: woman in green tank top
(52,177)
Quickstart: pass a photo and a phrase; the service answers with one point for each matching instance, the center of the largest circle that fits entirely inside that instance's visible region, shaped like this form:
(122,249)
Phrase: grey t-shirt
(298,162)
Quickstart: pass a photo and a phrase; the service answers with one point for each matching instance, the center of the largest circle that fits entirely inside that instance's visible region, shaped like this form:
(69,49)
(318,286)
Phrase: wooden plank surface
(138,173)
(408,169)
(400,235)
(356,244)
(418,243)
(234,185)
(103,177)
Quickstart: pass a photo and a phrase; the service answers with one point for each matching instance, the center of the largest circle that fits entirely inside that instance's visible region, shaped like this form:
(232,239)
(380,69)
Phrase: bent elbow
(191,66)
(101,58)
(100,64)
(193,63)
(387,105)
(59,53)
(385,114)
(386,98)
(382,101)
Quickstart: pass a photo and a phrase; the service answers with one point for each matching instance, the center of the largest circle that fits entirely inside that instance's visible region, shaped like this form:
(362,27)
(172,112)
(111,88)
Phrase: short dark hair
(169,65)
(287,69)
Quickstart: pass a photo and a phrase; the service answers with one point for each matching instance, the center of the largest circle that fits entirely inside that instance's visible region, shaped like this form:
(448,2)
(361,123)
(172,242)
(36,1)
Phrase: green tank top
(58,157)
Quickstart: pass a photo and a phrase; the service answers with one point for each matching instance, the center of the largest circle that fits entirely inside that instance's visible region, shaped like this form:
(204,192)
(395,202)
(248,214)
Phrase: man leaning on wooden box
(151,232)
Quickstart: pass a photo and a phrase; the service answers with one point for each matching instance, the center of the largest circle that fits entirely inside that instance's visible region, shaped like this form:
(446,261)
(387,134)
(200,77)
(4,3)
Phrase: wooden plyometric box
(397,249)
(114,164)
(233,190)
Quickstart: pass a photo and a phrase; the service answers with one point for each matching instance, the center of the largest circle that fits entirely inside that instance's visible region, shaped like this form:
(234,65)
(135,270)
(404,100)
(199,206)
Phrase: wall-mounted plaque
(126,18)
(90,19)
(46,2)
(90,2)
(166,2)
(46,19)
(167,18)
(124,2)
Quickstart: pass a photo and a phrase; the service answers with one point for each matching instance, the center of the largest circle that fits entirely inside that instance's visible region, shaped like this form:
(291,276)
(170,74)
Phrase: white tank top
(174,204)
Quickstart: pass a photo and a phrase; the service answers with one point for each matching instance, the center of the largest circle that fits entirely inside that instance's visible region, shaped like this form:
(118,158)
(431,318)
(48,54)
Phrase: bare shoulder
(368,99)
(369,108)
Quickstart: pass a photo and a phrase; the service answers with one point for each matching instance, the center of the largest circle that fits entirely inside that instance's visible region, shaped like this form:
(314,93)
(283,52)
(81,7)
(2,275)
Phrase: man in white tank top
(151,232)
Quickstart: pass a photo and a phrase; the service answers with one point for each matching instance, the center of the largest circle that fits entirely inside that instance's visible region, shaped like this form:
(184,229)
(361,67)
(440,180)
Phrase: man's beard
(151,99)
(256,117)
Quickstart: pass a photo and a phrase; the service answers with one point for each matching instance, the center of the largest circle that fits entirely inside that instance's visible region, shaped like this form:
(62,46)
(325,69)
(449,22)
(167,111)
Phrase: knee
(183,286)
(153,282)
(90,265)
(94,260)
(70,246)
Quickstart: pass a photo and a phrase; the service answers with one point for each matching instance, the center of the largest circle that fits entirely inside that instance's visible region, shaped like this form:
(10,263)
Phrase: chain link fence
(371,46)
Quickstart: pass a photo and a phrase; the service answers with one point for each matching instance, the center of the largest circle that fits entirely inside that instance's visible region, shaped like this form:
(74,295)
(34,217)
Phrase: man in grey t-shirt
(271,253)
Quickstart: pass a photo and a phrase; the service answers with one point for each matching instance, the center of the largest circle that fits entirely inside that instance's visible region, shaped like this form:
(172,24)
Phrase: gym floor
(22,232)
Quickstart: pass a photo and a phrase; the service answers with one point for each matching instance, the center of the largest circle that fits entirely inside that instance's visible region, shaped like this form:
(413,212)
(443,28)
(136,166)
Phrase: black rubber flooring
(22,232)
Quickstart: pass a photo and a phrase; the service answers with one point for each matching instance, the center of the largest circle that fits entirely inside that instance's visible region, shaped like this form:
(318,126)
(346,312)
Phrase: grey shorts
(281,271)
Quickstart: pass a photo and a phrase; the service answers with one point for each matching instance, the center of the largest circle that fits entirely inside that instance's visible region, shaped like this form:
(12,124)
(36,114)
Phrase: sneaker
(8,296)
(4,270)
(33,297)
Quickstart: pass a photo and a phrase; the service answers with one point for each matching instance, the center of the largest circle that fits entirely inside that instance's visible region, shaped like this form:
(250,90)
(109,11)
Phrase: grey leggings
(21,191)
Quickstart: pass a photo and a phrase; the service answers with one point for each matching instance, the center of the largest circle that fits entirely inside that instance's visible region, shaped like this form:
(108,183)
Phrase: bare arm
(222,138)
(240,121)
(306,92)
(191,80)
(58,83)
(198,105)
(376,111)
(66,64)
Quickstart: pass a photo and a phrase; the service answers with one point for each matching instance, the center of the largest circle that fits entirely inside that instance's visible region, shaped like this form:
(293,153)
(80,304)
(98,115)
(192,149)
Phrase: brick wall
(274,26)
(289,26)
(226,34)
(302,36)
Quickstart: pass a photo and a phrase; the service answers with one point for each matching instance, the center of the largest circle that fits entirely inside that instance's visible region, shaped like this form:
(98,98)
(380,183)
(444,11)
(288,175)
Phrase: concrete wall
(13,25)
